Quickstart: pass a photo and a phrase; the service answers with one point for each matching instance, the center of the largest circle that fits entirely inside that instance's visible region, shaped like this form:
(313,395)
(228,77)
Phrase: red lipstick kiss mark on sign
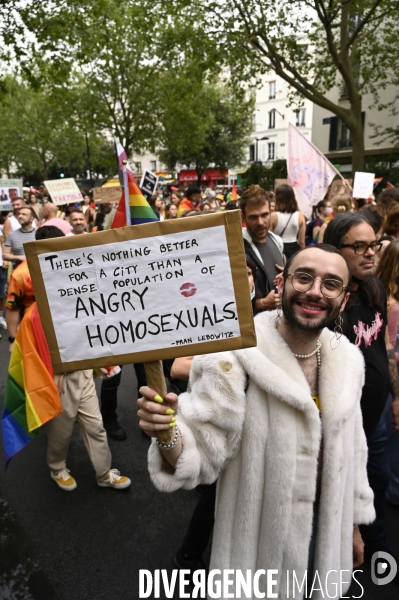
(188,289)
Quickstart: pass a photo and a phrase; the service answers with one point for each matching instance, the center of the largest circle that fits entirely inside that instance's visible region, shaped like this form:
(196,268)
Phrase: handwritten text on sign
(141,295)
(63,191)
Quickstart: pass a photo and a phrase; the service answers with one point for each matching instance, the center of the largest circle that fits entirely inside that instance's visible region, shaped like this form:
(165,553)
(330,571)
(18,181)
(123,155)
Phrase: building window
(153,165)
(138,166)
(252,152)
(264,152)
(271,154)
(301,117)
(272,90)
(340,136)
(345,139)
(272,119)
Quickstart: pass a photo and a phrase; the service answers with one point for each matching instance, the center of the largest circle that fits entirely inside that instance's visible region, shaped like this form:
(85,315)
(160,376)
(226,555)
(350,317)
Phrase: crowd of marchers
(293,445)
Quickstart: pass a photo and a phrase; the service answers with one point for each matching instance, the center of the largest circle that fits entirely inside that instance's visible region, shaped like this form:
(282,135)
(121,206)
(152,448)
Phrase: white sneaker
(3,322)
(114,479)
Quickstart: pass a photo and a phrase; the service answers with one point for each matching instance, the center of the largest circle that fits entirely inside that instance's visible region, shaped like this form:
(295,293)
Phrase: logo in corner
(383,568)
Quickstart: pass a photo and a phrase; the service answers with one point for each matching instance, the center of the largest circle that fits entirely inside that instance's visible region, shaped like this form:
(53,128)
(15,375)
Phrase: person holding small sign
(280,427)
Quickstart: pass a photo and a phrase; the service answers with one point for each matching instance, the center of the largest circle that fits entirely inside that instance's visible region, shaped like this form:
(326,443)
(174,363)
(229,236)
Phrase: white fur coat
(263,445)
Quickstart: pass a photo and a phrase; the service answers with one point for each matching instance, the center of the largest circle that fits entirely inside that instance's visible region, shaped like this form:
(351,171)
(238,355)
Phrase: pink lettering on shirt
(367,333)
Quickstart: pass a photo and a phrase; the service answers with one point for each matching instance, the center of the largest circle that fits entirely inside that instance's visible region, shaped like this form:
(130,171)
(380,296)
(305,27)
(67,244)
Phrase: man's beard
(310,326)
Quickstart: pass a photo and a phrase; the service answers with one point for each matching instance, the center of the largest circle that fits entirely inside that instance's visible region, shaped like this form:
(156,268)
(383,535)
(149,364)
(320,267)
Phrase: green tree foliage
(314,45)
(385,169)
(136,68)
(204,123)
(121,47)
(265,176)
(41,131)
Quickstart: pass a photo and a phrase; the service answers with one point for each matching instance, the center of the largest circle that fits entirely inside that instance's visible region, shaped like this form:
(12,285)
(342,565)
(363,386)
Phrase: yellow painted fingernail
(172,424)
(173,419)
(158,399)
(170,411)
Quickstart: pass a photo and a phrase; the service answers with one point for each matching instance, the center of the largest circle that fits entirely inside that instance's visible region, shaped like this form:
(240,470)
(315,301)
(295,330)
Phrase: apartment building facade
(272,115)
(332,137)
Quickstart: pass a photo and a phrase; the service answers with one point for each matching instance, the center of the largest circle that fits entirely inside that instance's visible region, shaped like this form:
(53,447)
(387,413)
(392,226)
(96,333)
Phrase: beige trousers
(80,403)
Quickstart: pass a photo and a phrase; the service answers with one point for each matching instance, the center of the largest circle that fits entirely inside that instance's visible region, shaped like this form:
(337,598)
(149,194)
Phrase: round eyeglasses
(303,282)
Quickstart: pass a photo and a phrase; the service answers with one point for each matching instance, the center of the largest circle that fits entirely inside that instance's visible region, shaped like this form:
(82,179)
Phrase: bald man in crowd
(50,218)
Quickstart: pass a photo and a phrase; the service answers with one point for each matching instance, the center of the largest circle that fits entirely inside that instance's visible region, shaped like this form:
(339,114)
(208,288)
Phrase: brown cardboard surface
(107,194)
(232,223)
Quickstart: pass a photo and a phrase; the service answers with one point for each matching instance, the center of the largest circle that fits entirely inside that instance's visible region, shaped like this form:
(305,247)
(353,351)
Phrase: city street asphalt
(90,544)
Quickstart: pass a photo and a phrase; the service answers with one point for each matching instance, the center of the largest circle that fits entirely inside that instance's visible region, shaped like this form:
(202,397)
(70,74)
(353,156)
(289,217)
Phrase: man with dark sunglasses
(365,324)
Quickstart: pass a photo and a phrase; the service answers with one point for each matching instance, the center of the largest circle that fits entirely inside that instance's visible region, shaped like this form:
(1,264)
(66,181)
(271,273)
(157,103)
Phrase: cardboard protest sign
(278,182)
(363,184)
(107,194)
(148,184)
(63,191)
(338,187)
(10,189)
(143,293)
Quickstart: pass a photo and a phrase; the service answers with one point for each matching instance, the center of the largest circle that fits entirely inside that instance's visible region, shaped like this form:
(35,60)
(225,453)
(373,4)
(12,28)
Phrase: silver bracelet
(172,444)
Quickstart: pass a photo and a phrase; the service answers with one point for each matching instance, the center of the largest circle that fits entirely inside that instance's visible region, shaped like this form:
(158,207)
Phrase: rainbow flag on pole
(31,397)
(139,209)
(234,194)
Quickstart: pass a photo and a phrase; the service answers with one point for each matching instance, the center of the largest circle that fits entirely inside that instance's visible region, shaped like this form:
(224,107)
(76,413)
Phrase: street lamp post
(88,155)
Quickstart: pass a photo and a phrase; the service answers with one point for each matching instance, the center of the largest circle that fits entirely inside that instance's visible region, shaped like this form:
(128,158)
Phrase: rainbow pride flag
(140,210)
(234,194)
(31,397)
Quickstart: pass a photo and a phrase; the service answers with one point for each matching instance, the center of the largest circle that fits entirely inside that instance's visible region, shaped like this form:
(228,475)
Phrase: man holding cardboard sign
(120,289)
(253,419)
(139,294)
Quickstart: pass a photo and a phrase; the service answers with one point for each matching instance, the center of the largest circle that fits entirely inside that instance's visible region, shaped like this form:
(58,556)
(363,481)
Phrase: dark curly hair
(335,233)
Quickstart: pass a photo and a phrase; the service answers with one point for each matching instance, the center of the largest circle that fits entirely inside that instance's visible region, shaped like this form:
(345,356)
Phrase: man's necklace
(316,351)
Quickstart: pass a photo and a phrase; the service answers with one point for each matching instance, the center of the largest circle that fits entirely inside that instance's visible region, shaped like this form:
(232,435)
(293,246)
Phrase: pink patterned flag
(121,156)
(309,172)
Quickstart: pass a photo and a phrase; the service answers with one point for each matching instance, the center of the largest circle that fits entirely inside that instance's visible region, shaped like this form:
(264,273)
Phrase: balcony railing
(345,144)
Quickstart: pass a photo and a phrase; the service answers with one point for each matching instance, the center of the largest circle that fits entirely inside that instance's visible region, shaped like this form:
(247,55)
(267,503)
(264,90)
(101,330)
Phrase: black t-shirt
(365,327)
